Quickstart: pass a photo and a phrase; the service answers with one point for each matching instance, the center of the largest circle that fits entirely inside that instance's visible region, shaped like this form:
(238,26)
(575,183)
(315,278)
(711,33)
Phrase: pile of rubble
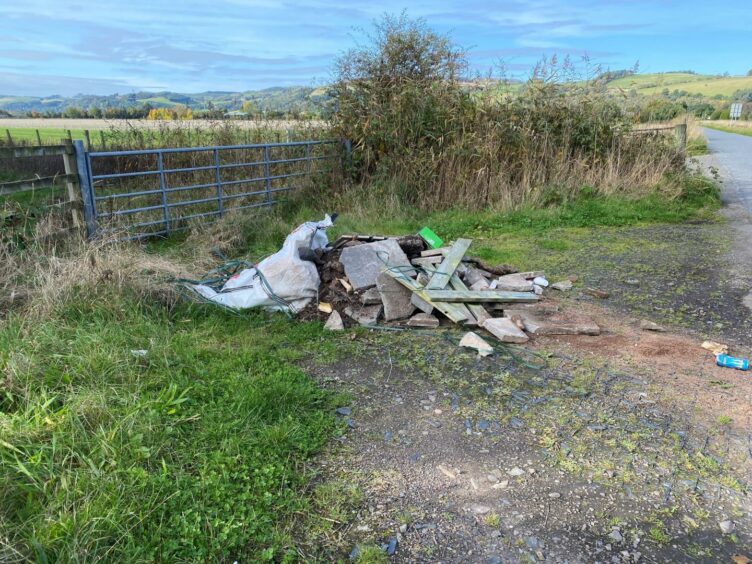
(373,281)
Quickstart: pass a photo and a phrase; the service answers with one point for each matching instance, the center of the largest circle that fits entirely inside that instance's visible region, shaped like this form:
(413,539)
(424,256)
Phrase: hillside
(282,100)
(703,84)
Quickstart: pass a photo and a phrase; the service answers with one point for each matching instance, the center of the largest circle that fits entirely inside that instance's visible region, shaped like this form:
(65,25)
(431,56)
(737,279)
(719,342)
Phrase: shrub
(424,137)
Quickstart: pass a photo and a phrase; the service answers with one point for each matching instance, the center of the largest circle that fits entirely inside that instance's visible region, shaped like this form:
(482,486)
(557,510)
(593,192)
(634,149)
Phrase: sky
(104,46)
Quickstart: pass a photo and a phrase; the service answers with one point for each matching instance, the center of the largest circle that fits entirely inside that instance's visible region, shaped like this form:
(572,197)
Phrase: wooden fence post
(101,139)
(74,190)
(680,131)
(39,138)
(10,139)
(87,139)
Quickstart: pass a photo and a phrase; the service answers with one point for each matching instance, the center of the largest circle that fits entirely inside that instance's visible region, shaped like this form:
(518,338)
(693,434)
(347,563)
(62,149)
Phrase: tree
(749,72)
(249,107)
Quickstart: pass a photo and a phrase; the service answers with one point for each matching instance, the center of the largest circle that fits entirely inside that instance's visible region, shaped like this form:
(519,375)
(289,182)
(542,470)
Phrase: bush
(423,137)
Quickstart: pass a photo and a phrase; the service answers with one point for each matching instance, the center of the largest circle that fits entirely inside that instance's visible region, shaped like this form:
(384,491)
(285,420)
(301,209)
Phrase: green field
(706,85)
(740,130)
(47,134)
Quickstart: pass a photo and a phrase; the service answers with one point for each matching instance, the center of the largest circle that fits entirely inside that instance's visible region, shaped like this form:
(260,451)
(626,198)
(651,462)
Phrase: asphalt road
(732,154)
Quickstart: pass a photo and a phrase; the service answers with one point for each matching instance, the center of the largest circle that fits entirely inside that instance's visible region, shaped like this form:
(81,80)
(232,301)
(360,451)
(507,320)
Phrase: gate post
(84,183)
(72,182)
(680,130)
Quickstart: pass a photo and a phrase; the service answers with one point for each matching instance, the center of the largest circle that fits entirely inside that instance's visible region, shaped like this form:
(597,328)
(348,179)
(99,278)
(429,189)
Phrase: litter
(715,348)
(368,279)
(732,362)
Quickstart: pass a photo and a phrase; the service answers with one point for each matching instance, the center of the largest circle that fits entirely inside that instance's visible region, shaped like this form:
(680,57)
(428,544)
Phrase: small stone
(403,528)
(516,471)
(554,495)
(344,411)
(474,341)
(632,282)
(646,325)
(501,485)
(479,508)
(483,425)
(562,286)
(505,330)
(366,315)
(370,297)
(615,535)
(727,526)
(334,323)
(423,320)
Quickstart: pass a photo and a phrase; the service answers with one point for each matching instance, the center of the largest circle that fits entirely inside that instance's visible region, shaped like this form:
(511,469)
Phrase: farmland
(706,85)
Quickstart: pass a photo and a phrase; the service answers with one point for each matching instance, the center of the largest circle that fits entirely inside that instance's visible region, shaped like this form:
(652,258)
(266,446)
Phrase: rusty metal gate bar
(94,184)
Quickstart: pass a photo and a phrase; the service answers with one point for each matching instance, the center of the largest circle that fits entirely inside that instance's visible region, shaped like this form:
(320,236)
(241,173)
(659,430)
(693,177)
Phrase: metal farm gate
(152,192)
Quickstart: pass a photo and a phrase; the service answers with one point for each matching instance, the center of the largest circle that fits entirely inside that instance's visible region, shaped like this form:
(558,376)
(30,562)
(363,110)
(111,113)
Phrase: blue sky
(101,47)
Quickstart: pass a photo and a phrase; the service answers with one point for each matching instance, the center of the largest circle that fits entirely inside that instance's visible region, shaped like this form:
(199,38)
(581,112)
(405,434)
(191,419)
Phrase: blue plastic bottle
(732,362)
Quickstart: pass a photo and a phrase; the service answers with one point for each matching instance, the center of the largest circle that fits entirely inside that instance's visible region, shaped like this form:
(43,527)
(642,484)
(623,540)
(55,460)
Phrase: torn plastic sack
(280,282)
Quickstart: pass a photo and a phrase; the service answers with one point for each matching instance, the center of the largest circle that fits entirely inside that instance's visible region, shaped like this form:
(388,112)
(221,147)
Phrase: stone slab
(395,297)
(423,320)
(505,330)
(474,341)
(334,323)
(514,283)
(366,315)
(363,263)
(370,297)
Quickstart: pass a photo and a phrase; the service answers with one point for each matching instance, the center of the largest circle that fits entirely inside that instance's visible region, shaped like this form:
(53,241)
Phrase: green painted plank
(476,310)
(480,296)
(451,261)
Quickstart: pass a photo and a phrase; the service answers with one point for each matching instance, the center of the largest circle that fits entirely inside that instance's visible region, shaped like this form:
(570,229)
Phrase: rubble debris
(423,320)
(474,341)
(366,315)
(346,285)
(421,304)
(364,262)
(395,297)
(334,323)
(540,281)
(563,286)
(505,330)
(646,325)
(370,297)
(596,293)
(325,307)
(514,283)
(544,321)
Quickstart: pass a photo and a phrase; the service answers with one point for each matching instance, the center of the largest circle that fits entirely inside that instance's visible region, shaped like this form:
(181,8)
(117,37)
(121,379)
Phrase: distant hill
(275,100)
(703,84)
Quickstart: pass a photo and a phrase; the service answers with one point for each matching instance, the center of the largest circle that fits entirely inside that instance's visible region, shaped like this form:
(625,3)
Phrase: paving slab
(366,315)
(363,263)
(396,298)
(514,283)
(423,320)
(505,330)
(334,323)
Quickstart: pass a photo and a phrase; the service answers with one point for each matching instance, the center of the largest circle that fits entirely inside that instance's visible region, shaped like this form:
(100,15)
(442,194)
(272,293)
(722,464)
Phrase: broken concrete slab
(370,297)
(480,286)
(334,323)
(562,286)
(547,322)
(473,276)
(366,315)
(474,341)
(505,330)
(363,263)
(423,320)
(395,297)
(514,283)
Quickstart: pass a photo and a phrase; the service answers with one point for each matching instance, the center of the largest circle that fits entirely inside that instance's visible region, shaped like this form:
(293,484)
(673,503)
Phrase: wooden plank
(452,259)
(74,190)
(33,184)
(478,311)
(21,152)
(453,296)
(426,261)
(450,310)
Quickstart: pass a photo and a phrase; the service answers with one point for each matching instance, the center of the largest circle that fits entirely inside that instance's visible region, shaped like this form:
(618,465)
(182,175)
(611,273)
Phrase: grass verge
(133,433)
(740,130)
